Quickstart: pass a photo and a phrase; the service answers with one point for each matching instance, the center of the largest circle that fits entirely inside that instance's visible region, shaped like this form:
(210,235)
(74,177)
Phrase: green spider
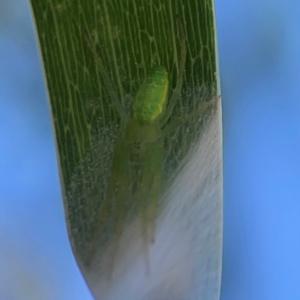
(137,164)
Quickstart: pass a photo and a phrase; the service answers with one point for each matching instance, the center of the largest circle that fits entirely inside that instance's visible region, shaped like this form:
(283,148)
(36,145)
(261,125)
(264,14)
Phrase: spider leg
(101,219)
(105,77)
(121,214)
(198,111)
(177,91)
(153,207)
(114,205)
(149,195)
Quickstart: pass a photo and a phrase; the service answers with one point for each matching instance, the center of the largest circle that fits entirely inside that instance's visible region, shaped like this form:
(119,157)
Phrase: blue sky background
(259,49)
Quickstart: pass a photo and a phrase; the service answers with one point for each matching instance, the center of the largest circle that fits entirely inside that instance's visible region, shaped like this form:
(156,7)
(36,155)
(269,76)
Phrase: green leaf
(95,52)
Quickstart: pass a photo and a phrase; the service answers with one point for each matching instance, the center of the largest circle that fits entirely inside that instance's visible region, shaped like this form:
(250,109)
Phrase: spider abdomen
(150,101)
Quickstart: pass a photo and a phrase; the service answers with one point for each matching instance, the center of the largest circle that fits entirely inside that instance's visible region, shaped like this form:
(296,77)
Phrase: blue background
(259,49)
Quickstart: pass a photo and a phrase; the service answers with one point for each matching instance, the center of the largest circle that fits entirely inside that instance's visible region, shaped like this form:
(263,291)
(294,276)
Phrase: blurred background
(259,47)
